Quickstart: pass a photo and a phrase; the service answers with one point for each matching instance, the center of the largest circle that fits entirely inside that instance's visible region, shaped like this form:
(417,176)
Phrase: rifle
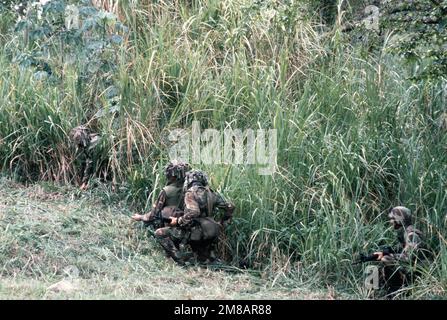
(158,220)
(373,257)
(159,217)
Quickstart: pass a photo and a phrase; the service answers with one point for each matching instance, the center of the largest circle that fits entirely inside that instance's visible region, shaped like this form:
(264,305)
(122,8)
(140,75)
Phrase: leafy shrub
(421,29)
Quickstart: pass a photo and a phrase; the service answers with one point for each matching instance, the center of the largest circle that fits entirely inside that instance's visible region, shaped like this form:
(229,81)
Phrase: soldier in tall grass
(400,267)
(85,142)
(170,200)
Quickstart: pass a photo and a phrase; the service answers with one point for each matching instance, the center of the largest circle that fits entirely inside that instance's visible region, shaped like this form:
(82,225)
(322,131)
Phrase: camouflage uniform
(168,202)
(399,268)
(170,199)
(195,227)
(85,142)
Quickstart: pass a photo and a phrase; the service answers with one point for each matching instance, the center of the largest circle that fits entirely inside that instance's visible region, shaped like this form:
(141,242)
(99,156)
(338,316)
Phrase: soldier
(399,268)
(85,141)
(195,227)
(170,200)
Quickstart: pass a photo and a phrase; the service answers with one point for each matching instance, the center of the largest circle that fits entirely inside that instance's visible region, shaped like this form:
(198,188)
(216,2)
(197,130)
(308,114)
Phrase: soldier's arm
(192,210)
(412,245)
(409,253)
(227,206)
(156,207)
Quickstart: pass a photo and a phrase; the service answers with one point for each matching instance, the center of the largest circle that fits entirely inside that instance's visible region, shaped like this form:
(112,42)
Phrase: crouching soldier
(170,200)
(196,227)
(400,266)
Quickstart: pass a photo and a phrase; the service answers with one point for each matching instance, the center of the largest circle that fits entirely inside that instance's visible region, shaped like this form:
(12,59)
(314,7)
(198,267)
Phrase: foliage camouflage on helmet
(195,176)
(83,138)
(177,169)
(80,136)
(401,215)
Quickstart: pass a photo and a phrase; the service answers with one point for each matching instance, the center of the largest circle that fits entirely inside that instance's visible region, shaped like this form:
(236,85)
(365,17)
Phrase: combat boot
(180,257)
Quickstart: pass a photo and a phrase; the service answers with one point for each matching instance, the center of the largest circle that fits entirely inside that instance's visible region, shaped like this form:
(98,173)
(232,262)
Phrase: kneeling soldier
(195,226)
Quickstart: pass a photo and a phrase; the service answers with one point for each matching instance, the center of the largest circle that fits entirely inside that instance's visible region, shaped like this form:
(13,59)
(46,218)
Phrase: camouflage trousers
(171,238)
(85,170)
(393,278)
(179,245)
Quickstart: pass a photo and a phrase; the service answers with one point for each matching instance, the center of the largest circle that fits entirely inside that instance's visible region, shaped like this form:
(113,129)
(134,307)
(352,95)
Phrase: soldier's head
(196,176)
(176,170)
(400,217)
(83,138)
(80,136)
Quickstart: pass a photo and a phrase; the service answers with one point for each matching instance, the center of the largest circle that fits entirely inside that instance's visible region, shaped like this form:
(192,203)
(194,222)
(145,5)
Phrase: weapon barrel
(364,258)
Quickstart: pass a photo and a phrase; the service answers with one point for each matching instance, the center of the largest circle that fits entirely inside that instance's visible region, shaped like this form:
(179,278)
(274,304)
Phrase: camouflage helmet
(196,176)
(83,138)
(80,136)
(401,215)
(177,169)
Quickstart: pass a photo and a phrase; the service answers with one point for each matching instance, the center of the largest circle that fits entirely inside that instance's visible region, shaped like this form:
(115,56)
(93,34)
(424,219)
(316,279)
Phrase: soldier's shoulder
(413,234)
(412,230)
(94,140)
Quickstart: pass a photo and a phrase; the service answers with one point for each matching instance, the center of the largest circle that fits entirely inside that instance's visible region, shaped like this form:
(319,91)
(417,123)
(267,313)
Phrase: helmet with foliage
(401,216)
(83,138)
(177,169)
(195,176)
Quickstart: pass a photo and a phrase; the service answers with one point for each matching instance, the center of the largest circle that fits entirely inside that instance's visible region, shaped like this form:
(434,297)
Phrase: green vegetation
(422,30)
(355,135)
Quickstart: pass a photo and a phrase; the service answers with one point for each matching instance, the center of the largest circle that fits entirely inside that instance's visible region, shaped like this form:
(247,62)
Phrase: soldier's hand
(137,217)
(173,221)
(379,255)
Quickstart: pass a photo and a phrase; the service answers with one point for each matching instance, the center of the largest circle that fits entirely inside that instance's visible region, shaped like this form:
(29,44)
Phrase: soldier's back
(173,194)
(200,196)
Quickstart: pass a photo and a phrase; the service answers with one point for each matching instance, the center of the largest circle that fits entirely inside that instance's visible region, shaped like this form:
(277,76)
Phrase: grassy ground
(49,232)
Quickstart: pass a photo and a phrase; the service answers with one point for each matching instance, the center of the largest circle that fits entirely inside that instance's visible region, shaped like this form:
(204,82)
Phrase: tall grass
(354,136)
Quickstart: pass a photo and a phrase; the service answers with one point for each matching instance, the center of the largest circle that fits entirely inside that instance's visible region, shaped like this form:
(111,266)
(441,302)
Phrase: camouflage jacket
(168,202)
(412,247)
(200,202)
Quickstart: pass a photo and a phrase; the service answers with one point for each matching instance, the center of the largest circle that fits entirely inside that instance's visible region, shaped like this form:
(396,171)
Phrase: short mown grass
(57,243)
